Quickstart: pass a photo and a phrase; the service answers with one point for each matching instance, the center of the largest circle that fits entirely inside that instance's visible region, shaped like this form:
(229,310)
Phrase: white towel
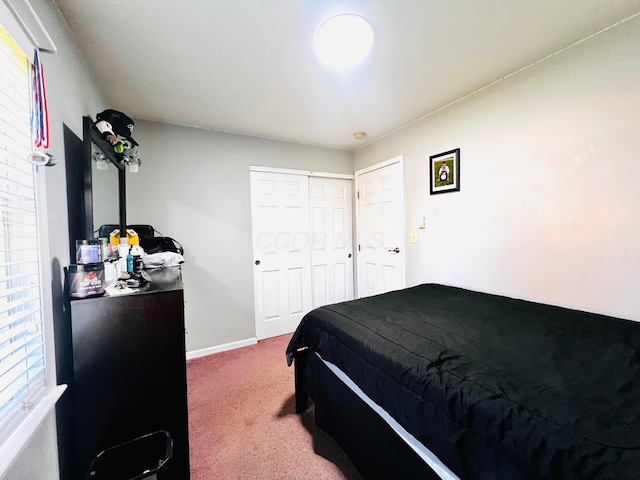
(162,259)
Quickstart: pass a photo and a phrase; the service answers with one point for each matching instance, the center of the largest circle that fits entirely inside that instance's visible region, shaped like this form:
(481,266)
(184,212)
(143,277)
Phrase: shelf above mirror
(91,131)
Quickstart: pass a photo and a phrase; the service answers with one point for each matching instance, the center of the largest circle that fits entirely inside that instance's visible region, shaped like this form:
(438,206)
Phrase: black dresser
(123,358)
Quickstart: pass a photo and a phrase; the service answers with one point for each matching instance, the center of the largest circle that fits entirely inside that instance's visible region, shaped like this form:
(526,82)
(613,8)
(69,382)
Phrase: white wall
(70,95)
(550,175)
(193,185)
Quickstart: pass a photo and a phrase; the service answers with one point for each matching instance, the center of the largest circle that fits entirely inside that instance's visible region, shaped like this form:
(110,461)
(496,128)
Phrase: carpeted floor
(243,425)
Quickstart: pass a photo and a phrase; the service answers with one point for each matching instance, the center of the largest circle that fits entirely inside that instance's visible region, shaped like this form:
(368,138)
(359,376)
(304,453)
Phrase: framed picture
(445,172)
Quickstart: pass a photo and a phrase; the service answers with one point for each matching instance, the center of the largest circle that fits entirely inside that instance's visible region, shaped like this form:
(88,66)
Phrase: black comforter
(496,387)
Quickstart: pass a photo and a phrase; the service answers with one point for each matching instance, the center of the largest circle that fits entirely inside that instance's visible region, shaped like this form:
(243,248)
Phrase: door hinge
(358,247)
(358,194)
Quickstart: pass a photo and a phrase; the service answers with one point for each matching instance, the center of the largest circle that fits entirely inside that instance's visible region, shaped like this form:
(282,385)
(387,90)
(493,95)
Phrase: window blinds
(22,352)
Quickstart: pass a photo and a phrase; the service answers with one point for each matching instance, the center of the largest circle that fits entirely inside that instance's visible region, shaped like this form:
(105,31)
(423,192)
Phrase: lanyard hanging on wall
(39,116)
(39,112)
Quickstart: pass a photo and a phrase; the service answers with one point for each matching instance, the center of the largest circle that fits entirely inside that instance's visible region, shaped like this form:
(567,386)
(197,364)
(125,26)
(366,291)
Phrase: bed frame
(373,446)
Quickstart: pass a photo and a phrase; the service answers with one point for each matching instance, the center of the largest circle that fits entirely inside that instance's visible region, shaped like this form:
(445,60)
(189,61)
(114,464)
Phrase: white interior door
(380,229)
(330,201)
(281,248)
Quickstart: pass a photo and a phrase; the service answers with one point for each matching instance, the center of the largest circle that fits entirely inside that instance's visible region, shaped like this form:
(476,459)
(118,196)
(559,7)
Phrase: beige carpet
(243,425)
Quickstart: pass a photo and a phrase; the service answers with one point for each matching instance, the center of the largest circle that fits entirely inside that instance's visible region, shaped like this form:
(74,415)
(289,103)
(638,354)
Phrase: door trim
(399,159)
(308,173)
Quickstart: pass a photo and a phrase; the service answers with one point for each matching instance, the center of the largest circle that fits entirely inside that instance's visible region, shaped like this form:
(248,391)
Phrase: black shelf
(91,131)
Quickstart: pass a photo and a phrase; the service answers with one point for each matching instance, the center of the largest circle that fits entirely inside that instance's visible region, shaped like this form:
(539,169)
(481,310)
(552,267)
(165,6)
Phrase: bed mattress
(495,387)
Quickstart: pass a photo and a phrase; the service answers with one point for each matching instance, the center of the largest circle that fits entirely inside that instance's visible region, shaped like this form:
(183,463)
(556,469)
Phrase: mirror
(95,196)
(105,191)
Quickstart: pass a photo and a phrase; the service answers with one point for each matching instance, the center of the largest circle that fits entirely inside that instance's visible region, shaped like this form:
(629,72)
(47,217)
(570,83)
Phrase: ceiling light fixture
(359,135)
(343,41)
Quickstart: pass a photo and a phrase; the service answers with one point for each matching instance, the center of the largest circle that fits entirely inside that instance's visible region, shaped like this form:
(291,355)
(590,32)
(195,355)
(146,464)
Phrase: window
(21,326)
(27,380)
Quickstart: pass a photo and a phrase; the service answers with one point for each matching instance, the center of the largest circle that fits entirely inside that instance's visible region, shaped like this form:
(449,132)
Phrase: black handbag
(145,232)
(148,240)
(161,244)
(105,230)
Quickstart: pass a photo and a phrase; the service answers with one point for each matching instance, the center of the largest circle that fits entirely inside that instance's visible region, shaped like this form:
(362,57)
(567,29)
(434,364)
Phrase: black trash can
(133,460)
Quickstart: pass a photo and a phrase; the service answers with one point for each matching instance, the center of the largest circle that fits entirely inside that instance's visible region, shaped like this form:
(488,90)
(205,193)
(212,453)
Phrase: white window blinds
(22,352)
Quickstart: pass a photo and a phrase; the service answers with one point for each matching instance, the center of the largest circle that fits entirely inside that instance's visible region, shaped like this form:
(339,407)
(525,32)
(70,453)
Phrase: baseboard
(203,352)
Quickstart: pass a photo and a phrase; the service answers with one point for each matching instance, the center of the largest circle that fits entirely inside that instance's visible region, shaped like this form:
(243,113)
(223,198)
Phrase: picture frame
(444,172)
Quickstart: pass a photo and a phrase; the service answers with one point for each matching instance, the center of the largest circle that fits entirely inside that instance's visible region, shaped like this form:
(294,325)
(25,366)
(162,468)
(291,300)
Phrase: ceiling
(247,66)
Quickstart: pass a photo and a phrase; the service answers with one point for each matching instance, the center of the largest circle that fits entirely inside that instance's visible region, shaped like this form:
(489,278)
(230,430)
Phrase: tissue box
(114,238)
(132,237)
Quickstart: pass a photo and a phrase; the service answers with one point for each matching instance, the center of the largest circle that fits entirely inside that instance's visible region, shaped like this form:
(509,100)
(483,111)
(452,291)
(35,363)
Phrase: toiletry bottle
(104,249)
(110,273)
(117,270)
(123,251)
(137,252)
(129,263)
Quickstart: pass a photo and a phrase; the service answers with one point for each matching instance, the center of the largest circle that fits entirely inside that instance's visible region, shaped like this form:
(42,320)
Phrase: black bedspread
(496,387)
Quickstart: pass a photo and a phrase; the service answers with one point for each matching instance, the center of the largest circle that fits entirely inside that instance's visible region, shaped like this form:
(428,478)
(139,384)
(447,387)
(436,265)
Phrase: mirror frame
(92,135)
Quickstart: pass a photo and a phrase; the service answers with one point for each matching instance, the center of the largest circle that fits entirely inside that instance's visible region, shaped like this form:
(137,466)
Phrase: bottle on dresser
(123,251)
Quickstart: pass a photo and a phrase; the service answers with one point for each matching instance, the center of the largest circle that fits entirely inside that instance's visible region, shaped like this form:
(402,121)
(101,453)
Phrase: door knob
(395,250)
(349,255)
(257,262)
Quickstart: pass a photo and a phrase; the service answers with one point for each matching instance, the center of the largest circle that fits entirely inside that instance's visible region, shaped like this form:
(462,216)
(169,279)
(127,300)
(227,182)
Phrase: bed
(490,386)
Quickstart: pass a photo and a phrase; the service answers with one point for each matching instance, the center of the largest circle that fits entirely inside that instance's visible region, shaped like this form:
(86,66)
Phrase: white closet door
(381,257)
(331,203)
(281,247)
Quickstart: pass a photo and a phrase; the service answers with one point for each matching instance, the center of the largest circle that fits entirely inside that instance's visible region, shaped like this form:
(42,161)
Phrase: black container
(85,280)
(133,460)
(138,265)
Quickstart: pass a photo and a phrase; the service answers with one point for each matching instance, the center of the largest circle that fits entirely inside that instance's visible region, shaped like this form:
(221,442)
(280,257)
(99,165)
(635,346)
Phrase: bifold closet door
(302,247)
(281,251)
(331,203)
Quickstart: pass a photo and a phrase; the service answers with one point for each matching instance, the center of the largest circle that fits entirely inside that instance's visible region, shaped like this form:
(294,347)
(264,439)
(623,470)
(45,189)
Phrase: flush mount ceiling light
(342,42)
(359,135)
